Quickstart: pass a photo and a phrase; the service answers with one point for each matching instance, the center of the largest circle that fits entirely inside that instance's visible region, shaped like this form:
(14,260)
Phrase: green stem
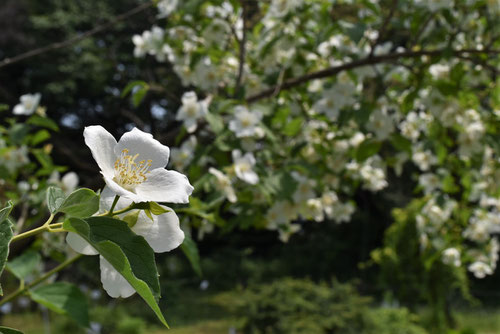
(35,231)
(118,212)
(110,212)
(39,280)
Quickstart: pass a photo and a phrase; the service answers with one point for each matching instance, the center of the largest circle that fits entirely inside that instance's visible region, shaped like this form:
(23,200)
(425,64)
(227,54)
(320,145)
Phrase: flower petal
(113,282)
(164,186)
(120,191)
(148,148)
(107,198)
(163,233)
(102,145)
(80,245)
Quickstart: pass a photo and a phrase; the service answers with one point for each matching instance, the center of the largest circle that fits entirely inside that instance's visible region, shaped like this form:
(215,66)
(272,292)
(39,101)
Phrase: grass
(203,312)
(483,321)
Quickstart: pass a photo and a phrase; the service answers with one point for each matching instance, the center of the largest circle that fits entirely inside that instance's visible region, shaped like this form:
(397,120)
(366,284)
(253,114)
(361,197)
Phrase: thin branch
(75,39)
(383,28)
(331,71)
(242,45)
(420,31)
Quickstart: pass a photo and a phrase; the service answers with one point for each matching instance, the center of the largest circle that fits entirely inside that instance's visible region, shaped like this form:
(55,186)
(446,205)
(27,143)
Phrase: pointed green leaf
(24,264)
(157,209)
(8,330)
(81,203)
(43,122)
(191,251)
(5,236)
(55,197)
(63,298)
(127,252)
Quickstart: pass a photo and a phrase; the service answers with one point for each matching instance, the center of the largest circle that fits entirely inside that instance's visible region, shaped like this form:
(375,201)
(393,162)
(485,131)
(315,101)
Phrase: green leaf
(43,122)
(131,218)
(157,209)
(139,95)
(40,136)
(24,264)
(367,149)
(5,236)
(216,123)
(5,212)
(131,85)
(293,127)
(81,203)
(153,207)
(8,330)
(55,197)
(63,298)
(191,251)
(127,252)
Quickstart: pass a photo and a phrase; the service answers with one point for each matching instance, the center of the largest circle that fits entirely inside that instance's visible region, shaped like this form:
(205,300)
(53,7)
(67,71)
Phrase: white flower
(280,8)
(280,214)
(439,71)
(181,157)
(243,167)
(480,269)
(305,188)
(381,123)
(163,234)
(216,33)
(28,105)
(424,159)
(134,168)
(191,111)
(224,184)
(342,212)
(165,8)
(67,183)
(451,256)
(245,122)
(430,182)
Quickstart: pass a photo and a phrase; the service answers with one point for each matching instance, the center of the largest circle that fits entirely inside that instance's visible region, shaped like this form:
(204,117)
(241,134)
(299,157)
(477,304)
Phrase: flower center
(129,173)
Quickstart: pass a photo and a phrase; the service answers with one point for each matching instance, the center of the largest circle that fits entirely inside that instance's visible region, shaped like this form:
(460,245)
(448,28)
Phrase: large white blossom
(134,167)
(163,234)
(28,105)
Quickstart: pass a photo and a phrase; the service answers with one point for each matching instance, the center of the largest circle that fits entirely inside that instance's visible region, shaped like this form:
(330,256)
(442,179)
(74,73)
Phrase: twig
(383,27)
(75,39)
(328,72)
(242,53)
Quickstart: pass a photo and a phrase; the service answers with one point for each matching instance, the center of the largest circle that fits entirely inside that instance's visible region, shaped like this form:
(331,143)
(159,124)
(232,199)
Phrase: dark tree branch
(383,28)
(75,39)
(328,72)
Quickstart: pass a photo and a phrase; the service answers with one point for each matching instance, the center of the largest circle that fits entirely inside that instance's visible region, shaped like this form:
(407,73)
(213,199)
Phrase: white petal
(163,233)
(70,181)
(107,198)
(113,282)
(165,186)
(19,110)
(148,148)
(80,245)
(120,191)
(191,124)
(102,145)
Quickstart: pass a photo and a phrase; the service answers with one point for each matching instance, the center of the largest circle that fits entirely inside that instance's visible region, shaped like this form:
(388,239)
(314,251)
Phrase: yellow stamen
(128,173)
